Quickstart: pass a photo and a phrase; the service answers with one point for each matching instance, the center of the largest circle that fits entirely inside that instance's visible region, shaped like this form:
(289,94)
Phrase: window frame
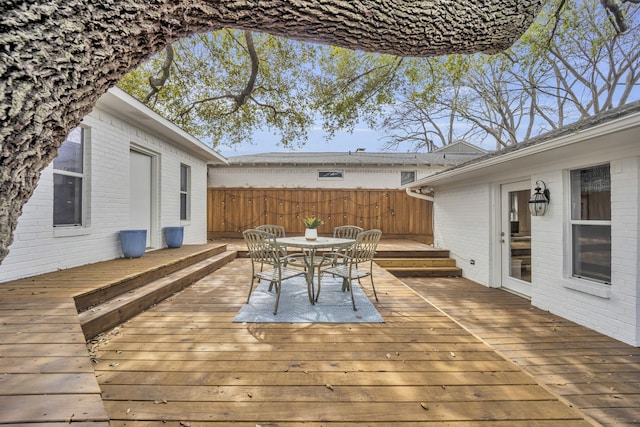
(330,174)
(185,193)
(585,223)
(81,175)
(404,173)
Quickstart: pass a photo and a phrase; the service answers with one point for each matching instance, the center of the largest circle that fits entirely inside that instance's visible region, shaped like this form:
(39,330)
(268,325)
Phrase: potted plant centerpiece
(312,224)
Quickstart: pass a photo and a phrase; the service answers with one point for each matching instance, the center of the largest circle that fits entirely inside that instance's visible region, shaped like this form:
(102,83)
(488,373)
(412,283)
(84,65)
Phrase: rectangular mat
(333,306)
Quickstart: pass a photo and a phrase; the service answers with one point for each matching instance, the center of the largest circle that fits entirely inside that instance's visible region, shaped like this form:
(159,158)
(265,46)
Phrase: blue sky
(264,142)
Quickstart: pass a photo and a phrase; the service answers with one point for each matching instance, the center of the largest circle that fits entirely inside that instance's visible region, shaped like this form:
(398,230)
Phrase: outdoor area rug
(334,306)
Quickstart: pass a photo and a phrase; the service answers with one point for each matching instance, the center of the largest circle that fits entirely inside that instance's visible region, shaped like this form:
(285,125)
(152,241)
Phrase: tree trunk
(58,57)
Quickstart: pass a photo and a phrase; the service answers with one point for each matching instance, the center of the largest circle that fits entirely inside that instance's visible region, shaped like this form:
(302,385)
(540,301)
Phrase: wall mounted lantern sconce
(539,201)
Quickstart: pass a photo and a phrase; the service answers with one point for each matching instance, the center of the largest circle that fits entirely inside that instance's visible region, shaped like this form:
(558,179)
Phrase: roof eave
(578,136)
(124,106)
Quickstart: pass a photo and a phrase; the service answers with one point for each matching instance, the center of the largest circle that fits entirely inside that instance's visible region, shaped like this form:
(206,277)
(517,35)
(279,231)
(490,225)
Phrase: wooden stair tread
(421,262)
(423,268)
(421,253)
(415,262)
(449,271)
(103,293)
(122,307)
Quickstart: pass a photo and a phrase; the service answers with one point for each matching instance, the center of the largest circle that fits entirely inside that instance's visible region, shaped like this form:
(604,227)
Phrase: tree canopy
(566,67)
(223,86)
(58,57)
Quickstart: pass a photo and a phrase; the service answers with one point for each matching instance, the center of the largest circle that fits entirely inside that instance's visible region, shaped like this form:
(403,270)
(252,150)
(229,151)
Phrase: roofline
(468,144)
(619,124)
(126,107)
(347,159)
(326,164)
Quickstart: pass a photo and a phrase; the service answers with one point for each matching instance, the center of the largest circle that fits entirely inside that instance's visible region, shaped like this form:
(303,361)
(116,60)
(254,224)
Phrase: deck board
(47,376)
(185,361)
(475,356)
(595,373)
(53,408)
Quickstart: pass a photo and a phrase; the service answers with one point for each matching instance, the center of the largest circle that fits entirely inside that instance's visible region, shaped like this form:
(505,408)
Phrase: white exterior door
(515,237)
(140,193)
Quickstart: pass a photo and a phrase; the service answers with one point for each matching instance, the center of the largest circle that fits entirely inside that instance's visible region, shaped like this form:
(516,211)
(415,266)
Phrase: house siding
(381,177)
(39,247)
(466,224)
(462,227)
(609,309)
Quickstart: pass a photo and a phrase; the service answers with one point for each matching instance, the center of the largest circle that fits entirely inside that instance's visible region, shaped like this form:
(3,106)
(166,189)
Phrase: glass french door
(515,237)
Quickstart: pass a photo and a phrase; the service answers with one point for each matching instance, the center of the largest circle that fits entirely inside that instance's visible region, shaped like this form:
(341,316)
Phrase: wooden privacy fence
(233,210)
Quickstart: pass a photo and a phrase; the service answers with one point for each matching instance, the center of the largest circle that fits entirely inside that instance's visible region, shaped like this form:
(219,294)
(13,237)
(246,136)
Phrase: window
(185,184)
(68,181)
(591,223)
(407,177)
(334,174)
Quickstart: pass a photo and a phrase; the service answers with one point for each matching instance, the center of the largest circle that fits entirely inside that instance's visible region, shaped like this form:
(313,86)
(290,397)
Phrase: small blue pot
(133,243)
(174,236)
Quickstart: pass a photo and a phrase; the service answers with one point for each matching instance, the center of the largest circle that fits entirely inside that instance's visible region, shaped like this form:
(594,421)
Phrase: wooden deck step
(126,283)
(148,292)
(420,267)
(381,252)
(425,271)
(415,262)
(384,253)
(403,261)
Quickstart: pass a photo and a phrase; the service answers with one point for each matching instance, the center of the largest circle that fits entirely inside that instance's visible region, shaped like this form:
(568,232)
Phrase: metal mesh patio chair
(264,250)
(354,264)
(347,231)
(344,232)
(276,230)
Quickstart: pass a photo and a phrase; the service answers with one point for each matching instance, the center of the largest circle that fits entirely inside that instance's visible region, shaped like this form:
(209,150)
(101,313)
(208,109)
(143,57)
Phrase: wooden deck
(184,362)
(590,371)
(46,374)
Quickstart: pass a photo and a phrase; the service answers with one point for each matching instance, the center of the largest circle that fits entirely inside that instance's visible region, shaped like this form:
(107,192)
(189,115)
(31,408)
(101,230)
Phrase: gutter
(417,194)
(615,125)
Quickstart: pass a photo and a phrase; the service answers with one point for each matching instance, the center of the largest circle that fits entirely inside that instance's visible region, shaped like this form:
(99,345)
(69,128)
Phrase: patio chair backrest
(365,246)
(276,230)
(347,231)
(262,247)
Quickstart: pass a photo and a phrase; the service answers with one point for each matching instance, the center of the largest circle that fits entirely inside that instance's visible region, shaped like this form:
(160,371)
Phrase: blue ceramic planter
(174,236)
(133,243)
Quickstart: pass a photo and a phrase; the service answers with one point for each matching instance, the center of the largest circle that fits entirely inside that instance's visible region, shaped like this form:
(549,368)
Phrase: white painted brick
(36,249)
(463,213)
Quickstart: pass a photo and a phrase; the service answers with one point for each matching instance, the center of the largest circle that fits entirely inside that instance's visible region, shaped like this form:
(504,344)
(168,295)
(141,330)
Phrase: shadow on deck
(488,358)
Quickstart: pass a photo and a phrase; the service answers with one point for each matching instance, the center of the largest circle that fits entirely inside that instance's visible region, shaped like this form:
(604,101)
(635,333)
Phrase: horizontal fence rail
(233,210)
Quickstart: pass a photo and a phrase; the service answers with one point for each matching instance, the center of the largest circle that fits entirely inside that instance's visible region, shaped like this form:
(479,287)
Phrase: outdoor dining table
(309,250)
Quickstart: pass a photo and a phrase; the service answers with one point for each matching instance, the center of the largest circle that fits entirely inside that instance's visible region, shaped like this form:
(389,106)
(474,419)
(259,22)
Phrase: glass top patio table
(309,248)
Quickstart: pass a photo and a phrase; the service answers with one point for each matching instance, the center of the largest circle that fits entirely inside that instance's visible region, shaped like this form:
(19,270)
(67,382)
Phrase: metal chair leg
(278,287)
(353,300)
(250,289)
(374,288)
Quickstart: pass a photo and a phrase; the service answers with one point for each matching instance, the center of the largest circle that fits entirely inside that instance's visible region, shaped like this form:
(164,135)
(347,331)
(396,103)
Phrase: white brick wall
(461,225)
(464,224)
(610,309)
(38,247)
